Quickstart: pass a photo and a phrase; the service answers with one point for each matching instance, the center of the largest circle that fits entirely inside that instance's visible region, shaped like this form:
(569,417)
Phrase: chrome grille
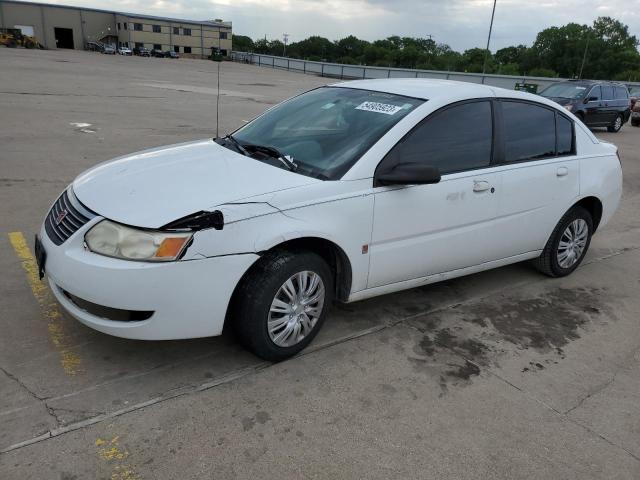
(66,217)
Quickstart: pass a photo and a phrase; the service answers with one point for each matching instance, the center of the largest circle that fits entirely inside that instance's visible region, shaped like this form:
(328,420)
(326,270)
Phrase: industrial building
(58,26)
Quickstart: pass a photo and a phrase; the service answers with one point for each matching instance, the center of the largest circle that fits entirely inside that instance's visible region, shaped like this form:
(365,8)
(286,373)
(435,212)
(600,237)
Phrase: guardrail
(351,72)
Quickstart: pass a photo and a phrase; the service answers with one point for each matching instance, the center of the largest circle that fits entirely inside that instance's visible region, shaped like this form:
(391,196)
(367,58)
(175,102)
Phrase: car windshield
(325,131)
(564,90)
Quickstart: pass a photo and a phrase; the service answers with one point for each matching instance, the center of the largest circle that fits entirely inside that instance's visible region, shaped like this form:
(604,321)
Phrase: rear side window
(529,131)
(455,139)
(564,132)
(621,93)
(607,92)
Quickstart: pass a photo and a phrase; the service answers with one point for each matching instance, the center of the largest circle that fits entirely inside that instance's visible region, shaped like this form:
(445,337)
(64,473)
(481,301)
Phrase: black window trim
(502,160)
(495,149)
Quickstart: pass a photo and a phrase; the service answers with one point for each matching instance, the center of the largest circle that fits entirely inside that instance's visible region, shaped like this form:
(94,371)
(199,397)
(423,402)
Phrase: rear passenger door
(540,176)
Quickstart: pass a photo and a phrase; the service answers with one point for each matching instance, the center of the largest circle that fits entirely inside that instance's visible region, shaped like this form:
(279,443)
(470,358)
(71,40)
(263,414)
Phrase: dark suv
(597,104)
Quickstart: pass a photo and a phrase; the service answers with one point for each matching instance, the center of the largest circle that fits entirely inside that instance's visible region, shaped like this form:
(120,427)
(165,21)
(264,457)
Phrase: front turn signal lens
(170,247)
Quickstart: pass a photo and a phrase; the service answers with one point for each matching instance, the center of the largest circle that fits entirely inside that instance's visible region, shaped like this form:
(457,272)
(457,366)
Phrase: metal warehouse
(59,26)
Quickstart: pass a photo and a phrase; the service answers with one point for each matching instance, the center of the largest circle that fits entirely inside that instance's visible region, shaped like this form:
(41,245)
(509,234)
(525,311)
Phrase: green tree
(242,43)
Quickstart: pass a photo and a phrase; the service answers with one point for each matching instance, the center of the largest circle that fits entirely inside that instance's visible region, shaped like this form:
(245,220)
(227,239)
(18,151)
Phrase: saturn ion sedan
(343,193)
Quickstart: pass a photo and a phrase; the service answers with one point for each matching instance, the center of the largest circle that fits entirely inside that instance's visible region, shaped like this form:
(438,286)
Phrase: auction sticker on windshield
(379,107)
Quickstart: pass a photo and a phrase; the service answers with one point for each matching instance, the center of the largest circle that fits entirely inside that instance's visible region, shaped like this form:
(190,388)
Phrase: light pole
(486,54)
(584,57)
(285,37)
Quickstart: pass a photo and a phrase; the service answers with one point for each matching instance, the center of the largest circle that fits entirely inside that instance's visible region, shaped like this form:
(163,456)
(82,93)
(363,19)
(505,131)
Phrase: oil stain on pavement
(457,342)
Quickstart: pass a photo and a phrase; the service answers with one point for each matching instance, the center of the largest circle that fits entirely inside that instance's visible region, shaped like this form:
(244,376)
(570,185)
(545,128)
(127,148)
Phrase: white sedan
(342,193)
(125,51)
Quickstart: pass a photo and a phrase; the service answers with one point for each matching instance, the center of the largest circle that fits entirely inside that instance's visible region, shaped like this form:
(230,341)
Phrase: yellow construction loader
(13,37)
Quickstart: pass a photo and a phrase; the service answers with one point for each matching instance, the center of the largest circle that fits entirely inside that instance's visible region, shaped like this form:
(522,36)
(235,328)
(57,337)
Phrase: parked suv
(597,104)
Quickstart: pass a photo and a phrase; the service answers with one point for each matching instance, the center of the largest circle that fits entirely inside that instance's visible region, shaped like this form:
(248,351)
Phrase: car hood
(152,188)
(561,100)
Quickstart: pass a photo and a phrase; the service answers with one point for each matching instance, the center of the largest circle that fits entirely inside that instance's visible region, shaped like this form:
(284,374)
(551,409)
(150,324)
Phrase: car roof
(422,88)
(441,91)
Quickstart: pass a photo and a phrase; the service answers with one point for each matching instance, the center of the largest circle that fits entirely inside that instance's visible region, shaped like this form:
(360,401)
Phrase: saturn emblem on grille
(61,216)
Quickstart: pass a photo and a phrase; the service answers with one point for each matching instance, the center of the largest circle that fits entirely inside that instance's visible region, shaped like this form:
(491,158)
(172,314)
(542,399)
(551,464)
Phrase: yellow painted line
(111,452)
(69,360)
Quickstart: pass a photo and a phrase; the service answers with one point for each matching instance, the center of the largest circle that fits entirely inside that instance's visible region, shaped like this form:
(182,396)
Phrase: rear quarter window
(621,93)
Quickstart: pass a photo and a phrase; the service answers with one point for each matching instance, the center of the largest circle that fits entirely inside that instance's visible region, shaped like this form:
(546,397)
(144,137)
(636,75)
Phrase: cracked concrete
(505,374)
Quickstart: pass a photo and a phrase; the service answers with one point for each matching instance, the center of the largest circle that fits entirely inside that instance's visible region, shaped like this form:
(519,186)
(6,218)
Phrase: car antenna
(218,102)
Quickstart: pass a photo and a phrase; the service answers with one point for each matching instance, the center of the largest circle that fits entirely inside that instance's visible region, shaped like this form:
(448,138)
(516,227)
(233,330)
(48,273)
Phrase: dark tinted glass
(595,92)
(607,92)
(621,93)
(455,139)
(565,135)
(529,131)
(157,29)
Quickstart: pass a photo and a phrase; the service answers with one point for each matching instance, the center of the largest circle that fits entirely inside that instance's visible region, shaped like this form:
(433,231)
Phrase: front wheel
(616,125)
(282,303)
(567,245)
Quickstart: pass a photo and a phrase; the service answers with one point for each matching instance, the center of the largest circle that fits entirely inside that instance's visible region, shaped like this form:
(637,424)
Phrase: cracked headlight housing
(114,240)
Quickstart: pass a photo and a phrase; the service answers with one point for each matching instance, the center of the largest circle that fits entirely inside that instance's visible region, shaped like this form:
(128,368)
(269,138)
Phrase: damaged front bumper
(143,300)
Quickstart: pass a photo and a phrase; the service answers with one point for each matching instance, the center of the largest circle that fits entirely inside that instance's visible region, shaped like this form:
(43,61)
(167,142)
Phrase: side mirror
(409,174)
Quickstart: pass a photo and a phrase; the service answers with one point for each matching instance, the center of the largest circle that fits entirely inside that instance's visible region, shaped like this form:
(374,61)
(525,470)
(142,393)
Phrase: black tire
(617,124)
(253,299)
(547,262)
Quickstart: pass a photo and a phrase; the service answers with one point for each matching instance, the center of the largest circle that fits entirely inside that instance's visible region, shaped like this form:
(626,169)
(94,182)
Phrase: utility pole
(486,54)
(285,37)
(584,57)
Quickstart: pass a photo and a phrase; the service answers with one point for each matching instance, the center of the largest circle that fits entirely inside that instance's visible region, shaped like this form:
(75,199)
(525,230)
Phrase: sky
(462,24)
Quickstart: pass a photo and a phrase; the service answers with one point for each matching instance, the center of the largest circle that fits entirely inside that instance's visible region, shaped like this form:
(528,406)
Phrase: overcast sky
(460,23)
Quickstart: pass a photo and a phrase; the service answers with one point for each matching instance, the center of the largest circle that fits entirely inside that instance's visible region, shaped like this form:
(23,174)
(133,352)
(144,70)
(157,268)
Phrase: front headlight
(569,107)
(115,240)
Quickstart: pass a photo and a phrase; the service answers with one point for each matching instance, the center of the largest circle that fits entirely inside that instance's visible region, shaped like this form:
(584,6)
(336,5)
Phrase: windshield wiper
(273,152)
(237,144)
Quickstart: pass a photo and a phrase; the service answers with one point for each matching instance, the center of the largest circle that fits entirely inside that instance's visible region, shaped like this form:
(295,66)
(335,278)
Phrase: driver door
(421,230)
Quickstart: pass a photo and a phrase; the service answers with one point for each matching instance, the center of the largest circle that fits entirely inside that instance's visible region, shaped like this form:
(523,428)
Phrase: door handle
(480,186)
(562,172)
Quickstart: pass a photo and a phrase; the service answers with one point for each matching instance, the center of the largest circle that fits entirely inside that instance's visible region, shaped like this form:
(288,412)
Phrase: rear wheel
(282,304)
(616,125)
(567,245)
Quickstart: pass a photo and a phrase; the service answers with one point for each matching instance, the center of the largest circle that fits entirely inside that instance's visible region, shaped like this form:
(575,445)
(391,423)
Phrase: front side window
(529,131)
(325,131)
(455,139)
(595,94)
